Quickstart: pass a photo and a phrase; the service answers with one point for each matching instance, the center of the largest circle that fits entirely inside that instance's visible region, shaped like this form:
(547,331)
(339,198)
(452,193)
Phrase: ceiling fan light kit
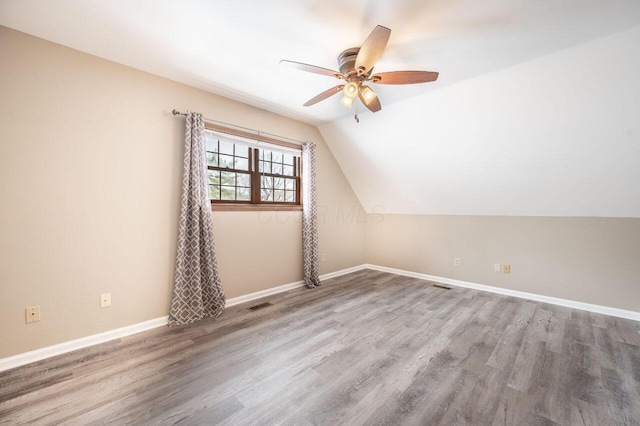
(346,102)
(350,91)
(356,65)
(368,94)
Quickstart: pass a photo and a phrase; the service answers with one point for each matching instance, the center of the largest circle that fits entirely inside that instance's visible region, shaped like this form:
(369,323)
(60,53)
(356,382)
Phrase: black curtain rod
(246,129)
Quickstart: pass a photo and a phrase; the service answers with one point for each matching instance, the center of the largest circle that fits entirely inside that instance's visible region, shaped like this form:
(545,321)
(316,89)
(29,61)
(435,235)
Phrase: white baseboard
(341,272)
(72,345)
(259,294)
(59,349)
(286,287)
(599,309)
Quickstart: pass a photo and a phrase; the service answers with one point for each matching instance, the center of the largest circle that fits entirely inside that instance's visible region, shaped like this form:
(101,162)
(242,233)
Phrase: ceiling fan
(356,65)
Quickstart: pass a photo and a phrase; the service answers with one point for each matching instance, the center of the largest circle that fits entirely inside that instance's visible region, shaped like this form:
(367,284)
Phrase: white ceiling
(535,111)
(233,47)
(555,136)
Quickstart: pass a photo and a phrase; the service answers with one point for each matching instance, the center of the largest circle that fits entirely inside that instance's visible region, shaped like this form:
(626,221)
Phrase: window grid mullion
(255,178)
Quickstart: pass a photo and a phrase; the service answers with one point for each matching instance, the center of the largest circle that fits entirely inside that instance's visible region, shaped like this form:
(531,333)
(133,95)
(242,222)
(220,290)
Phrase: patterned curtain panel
(309,216)
(197,292)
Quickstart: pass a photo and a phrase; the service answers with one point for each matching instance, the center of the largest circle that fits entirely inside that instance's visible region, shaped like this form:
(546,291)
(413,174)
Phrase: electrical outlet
(105,300)
(32,314)
(456,261)
(497,267)
(323,257)
(506,269)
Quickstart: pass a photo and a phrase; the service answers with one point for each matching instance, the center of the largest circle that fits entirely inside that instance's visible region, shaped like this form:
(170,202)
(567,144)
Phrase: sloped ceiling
(555,136)
(519,121)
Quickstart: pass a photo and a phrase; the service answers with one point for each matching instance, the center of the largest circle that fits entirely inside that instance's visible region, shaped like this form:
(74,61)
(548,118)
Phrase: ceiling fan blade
(311,68)
(404,77)
(324,95)
(369,98)
(372,49)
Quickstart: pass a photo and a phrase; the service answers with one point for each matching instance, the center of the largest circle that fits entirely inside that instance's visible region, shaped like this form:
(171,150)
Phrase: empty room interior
(320,212)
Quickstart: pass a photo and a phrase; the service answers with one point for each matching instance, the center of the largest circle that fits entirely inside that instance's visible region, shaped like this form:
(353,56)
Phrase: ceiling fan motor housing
(347,62)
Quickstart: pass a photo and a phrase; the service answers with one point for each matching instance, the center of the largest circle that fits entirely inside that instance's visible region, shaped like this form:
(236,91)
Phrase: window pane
(243,179)
(278,195)
(288,159)
(276,168)
(228,193)
(289,184)
(266,155)
(267,182)
(228,178)
(226,161)
(214,192)
(226,148)
(244,194)
(276,157)
(242,151)
(278,183)
(266,195)
(241,163)
(214,177)
(287,170)
(212,159)
(212,143)
(289,196)
(265,167)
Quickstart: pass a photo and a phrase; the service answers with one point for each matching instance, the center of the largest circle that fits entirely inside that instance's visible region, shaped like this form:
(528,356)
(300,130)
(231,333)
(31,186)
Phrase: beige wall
(593,260)
(90,172)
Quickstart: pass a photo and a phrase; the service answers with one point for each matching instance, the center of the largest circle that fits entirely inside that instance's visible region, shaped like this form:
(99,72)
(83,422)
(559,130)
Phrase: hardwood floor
(365,348)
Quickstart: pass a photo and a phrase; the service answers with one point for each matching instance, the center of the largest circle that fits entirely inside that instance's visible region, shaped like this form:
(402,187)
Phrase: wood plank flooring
(365,348)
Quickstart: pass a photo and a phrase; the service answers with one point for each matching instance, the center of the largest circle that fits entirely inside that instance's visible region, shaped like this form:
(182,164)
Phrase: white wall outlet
(497,267)
(32,314)
(105,300)
(323,257)
(456,261)
(506,269)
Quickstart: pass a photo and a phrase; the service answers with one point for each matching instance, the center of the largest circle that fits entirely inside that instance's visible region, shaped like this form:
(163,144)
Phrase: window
(278,177)
(243,175)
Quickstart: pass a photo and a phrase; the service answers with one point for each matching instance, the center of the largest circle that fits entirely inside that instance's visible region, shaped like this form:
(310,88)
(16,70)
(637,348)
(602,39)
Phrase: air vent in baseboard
(442,287)
(260,306)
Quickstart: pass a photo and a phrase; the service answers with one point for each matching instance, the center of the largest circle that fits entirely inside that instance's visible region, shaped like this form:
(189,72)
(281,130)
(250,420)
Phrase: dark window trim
(252,205)
(222,207)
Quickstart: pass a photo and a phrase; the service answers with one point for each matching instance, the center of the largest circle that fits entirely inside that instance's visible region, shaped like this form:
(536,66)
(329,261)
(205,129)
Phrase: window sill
(219,207)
